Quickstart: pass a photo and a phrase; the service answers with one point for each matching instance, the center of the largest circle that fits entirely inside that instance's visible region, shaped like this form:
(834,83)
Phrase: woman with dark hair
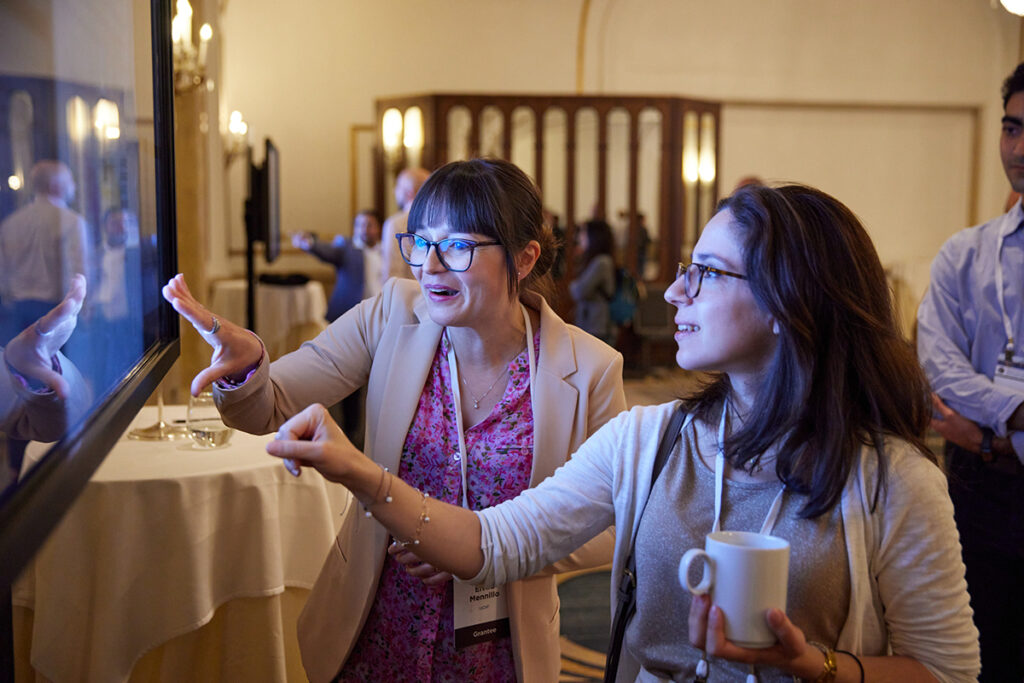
(594,284)
(475,391)
(810,431)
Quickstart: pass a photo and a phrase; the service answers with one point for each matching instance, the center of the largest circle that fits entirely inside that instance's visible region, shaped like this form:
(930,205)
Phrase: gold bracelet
(828,672)
(424,519)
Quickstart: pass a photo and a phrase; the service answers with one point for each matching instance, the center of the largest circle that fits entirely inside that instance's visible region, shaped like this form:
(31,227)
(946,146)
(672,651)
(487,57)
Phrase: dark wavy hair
(492,197)
(842,374)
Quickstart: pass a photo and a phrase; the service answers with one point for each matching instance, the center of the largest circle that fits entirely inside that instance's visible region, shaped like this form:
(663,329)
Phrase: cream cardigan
(908,592)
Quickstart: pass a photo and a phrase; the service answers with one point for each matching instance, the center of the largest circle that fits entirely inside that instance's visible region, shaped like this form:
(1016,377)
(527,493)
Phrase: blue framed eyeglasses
(693,275)
(454,253)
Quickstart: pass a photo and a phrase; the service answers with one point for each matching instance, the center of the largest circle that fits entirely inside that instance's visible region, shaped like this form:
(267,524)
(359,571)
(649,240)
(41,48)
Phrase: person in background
(643,240)
(356,262)
(806,432)
(407,184)
(594,284)
(357,276)
(117,302)
(475,391)
(558,268)
(42,246)
(969,331)
(643,245)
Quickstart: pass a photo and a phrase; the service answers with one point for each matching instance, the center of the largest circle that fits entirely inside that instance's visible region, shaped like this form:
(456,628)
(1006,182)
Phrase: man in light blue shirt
(970,338)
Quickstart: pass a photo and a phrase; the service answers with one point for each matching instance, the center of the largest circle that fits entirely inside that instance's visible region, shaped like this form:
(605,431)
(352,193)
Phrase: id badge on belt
(1010,373)
(481,614)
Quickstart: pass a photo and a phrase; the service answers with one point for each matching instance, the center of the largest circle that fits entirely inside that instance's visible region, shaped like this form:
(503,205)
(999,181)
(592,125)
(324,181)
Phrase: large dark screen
(85,194)
(263,205)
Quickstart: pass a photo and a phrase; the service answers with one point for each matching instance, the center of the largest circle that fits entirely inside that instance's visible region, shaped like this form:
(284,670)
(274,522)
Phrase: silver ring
(40,332)
(216,326)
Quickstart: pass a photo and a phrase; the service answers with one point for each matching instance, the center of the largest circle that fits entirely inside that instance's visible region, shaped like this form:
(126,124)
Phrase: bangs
(467,203)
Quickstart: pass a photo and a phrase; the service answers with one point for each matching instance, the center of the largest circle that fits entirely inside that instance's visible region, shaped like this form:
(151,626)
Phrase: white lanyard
(1007,326)
(453,370)
(773,512)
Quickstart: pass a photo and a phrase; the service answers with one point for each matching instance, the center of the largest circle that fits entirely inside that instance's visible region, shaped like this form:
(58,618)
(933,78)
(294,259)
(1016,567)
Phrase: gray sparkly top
(680,512)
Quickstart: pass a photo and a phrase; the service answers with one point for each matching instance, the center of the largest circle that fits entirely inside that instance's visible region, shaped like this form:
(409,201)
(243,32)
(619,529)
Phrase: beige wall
(305,74)
(75,39)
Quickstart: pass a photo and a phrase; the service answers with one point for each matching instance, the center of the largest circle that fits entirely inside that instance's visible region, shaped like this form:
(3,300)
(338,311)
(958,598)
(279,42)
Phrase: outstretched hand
(235,349)
(303,240)
(30,353)
(313,439)
(791,653)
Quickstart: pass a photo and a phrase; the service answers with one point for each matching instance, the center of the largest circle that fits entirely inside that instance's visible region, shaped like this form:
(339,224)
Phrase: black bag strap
(627,583)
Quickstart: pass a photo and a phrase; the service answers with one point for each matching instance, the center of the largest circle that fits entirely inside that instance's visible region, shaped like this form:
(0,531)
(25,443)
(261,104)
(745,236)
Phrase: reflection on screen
(78,259)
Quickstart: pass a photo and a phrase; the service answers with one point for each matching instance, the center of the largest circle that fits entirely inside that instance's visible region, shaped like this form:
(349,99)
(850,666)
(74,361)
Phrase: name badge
(481,614)
(1010,374)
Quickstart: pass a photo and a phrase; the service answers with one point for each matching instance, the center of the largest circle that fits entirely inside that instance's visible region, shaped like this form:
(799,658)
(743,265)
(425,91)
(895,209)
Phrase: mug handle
(706,580)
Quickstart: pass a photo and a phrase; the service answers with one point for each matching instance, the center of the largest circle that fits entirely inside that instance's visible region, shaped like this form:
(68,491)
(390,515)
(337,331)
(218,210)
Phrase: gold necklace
(476,400)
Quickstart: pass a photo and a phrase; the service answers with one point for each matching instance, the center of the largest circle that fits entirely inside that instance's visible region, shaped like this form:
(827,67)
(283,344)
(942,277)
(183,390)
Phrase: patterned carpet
(586,623)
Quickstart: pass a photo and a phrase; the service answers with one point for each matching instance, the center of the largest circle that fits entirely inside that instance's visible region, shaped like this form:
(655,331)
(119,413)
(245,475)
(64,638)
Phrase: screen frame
(272,201)
(32,509)
(263,205)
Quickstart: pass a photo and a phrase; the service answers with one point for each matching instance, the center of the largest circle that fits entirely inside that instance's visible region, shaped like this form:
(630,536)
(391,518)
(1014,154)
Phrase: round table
(164,535)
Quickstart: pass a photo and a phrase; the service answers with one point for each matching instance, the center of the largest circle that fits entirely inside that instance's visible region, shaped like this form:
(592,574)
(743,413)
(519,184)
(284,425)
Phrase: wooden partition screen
(620,158)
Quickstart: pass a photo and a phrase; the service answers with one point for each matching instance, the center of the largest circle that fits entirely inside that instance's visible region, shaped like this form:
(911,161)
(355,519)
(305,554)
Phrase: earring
(775,327)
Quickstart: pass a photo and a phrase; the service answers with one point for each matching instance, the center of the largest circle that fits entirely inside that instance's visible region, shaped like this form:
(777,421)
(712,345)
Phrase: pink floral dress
(409,634)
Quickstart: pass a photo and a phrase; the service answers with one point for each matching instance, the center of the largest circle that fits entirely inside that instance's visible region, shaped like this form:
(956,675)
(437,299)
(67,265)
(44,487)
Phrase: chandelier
(188,59)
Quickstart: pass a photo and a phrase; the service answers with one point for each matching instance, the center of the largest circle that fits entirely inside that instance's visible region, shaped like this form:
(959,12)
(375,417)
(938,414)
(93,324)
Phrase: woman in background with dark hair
(810,431)
(594,284)
(476,390)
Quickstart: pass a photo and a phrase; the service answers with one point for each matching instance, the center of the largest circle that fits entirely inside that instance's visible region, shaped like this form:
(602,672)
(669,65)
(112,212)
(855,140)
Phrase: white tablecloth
(286,316)
(162,535)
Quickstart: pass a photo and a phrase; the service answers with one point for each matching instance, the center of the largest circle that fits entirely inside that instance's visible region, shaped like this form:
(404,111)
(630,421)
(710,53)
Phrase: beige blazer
(387,344)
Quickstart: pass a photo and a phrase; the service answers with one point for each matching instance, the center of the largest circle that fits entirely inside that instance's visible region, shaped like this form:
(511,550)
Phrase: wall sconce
(189,61)
(402,135)
(706,158)
(412,136)
(391,134)
(106,120)
(77,115)
(237,139)
(691,158)
(691,167)
(1013,6)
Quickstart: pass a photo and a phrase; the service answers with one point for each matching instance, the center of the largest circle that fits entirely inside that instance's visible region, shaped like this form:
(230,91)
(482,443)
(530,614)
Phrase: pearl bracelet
(384,475)
(424,519)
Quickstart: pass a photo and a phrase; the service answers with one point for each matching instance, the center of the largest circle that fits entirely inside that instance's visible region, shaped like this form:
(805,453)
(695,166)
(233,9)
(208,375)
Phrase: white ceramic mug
(746,574)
